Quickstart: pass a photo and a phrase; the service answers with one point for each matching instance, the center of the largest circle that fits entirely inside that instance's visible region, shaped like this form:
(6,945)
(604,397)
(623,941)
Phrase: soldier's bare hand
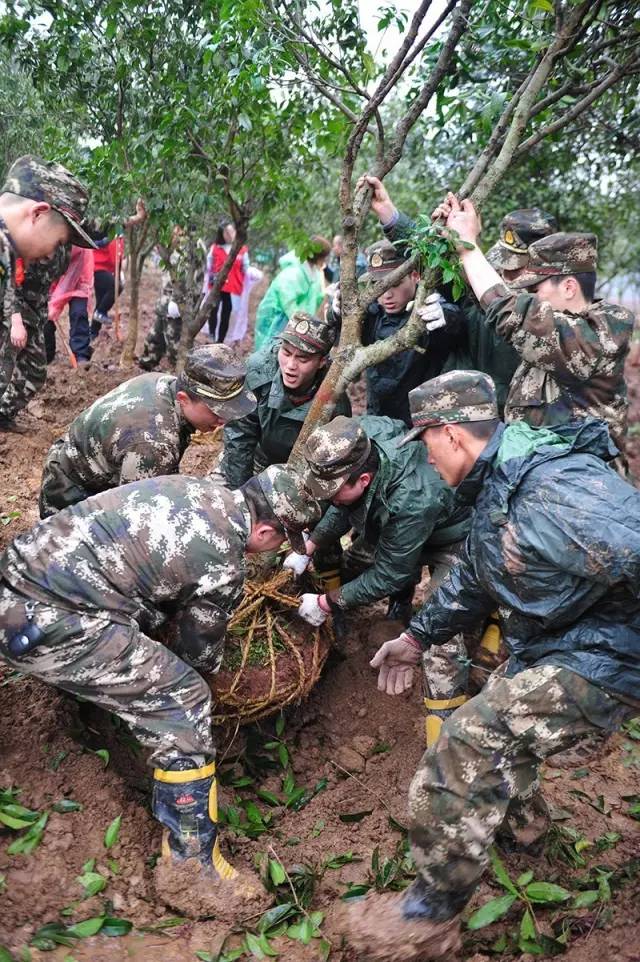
(18,333)
(381,203)
(463,218)
(395,661)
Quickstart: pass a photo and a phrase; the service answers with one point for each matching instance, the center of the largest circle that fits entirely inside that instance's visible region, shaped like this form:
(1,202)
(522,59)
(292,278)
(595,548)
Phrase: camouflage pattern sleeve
(459,605)
(570,346)
(200,635)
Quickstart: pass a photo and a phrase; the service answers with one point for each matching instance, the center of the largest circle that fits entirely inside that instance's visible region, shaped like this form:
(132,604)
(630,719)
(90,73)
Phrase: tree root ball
(272,657)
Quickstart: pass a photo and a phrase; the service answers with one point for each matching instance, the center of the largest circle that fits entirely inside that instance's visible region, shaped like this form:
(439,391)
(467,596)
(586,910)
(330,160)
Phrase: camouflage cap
(518,230)
(290,502)
(333,452)
(309,334)
(50,183)
(382,258)
(558,255)
(452,398)
(216,376)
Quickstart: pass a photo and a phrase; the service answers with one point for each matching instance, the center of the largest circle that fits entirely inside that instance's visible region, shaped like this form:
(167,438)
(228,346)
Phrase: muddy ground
(356,747)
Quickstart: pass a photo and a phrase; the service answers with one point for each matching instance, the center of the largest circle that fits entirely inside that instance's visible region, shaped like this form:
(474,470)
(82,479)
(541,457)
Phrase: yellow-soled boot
(185,801)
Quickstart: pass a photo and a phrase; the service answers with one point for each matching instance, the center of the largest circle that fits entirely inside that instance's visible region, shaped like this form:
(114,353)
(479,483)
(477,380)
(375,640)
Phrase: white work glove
(396,660)
(172,309)
(298,563)
(431,312)
(311,611)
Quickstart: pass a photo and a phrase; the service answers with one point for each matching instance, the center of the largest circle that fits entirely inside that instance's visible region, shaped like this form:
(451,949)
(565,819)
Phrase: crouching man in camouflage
(81,593)
(142,428)
(555,545)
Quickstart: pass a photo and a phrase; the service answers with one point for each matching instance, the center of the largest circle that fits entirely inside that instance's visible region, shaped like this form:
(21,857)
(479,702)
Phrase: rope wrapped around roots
(272,657)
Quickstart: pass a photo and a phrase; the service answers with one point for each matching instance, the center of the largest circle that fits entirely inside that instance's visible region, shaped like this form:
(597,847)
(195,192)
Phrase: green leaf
(5,955)
(283,755)
(325,949)
(355,892)
(86,928)
(501,873)
(104,755)
(254,945)
(524,879)
(491,911)
(31,839)
(204,956)
(92,883)
(354,816)
(66,805)
(268,797)
(527,926)
(276,915)
(276,872)
(546,892)
(113,832)
(585,899)
(280,725)
(115,927)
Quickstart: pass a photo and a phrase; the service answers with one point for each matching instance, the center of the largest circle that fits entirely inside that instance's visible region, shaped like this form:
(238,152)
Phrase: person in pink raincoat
(73,289)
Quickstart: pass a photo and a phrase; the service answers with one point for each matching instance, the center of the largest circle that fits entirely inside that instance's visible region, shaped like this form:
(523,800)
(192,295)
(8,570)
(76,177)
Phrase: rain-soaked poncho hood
(555,545)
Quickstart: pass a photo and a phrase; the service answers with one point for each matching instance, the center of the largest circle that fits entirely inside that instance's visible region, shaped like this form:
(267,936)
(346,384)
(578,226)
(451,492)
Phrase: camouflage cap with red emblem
(559,255)
(47,182)
(452,398)
(518,230)
(382,258)
(309,334)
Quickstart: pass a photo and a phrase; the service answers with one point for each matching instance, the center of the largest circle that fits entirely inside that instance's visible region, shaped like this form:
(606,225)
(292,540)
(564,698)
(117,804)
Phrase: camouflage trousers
(163,337)
(164,701)
(60,487)
(22,372)
(486,757)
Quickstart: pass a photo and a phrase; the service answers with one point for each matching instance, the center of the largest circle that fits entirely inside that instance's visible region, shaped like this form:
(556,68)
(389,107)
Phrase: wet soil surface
(356,748)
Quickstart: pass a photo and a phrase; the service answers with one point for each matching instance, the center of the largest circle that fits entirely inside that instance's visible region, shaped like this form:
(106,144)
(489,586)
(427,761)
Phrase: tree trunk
(136,245)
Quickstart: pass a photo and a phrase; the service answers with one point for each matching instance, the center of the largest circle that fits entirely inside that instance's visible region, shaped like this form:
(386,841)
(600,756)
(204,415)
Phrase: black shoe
(10,426)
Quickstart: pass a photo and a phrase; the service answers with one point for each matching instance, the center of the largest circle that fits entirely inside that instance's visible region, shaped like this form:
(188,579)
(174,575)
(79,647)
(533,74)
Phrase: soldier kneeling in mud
(82,593)
(554,544)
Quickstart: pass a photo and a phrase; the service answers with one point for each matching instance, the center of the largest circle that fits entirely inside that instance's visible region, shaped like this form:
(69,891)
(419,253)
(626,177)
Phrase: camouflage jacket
(157,549)
(572,365)
(135,431)
(555,545)
(33,296)
(268,434)
(7,287)
(479,348)
(407,505)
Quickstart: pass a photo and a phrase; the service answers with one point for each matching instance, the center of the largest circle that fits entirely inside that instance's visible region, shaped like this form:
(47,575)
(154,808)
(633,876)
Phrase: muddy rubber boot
(185,802)
(383,928)
(192,876)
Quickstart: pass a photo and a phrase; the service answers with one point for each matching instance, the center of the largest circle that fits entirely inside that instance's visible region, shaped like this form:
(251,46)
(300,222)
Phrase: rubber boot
(439,709)
(185,801)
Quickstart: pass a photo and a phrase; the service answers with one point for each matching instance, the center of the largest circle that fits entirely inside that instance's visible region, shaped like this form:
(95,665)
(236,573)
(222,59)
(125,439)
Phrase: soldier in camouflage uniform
(164,335)
(572,345)
(555,544)
(28,367)
(41,206)
(81,592)
(389,382)
(285,376)
(142,428)
(477,345)
(390,496)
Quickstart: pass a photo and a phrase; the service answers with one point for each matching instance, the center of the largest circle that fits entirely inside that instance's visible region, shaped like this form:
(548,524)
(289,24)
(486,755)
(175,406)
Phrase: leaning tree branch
(578,108)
